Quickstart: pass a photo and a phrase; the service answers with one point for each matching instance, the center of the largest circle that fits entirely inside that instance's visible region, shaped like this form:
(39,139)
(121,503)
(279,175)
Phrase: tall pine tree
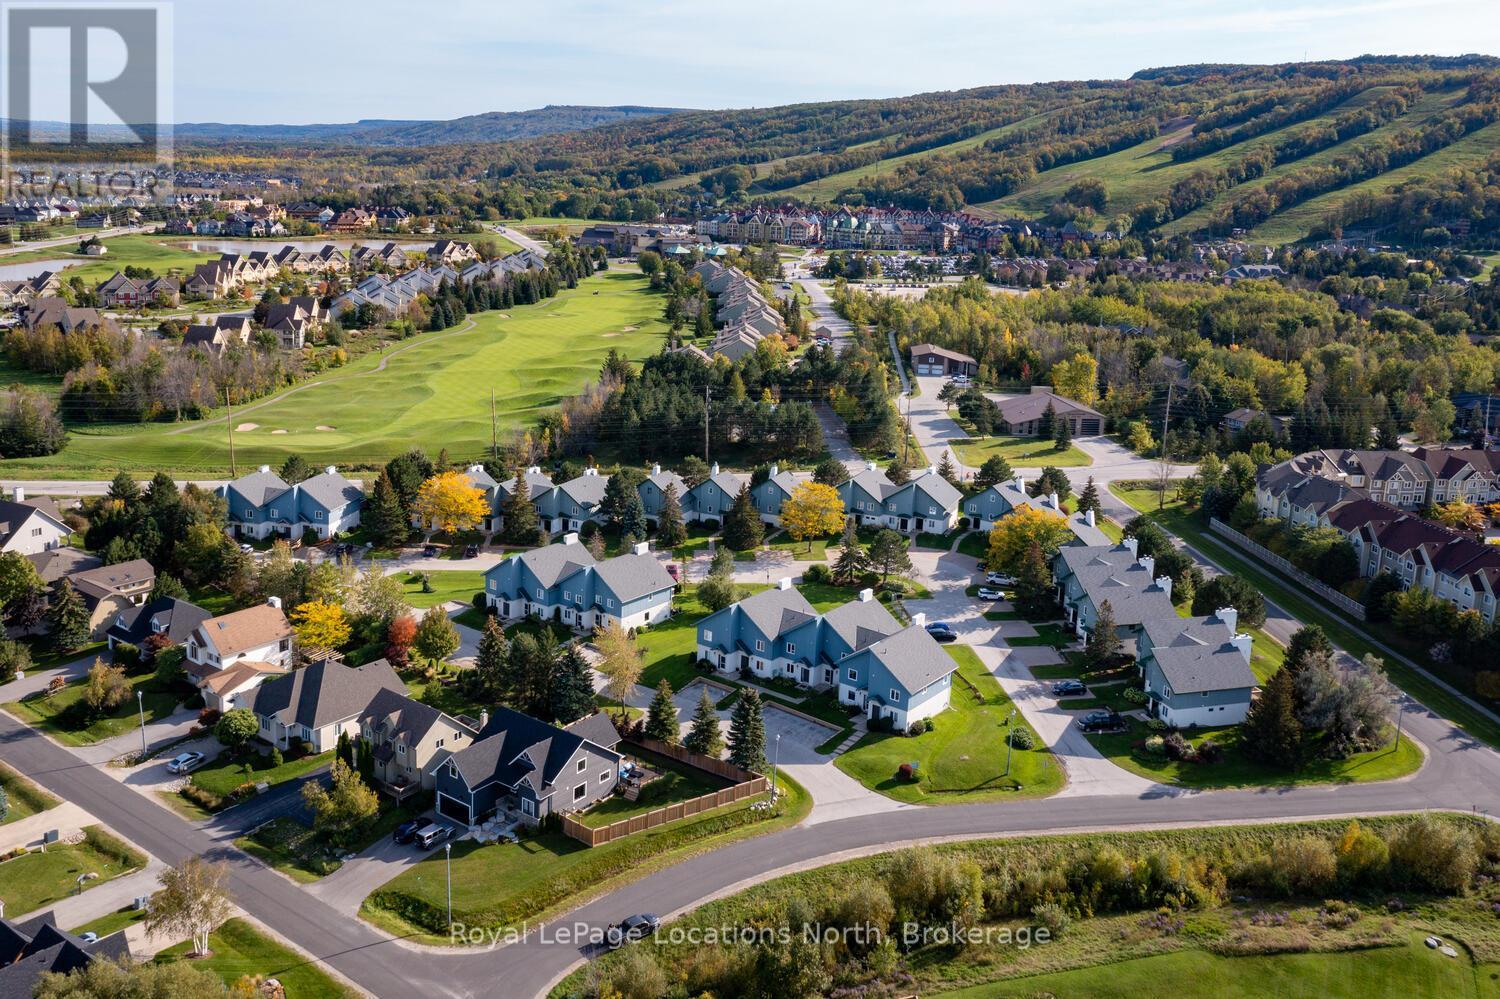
(705,738)
(492,662)
(1089,498)
(522,525)
(661,717)
(852,562)
(742,527)
(383,517)
(69,618)
(670,529)
(1271,732)
(572,688)
(747,732)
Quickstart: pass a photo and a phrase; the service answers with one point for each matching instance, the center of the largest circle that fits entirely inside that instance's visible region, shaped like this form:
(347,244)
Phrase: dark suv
(1102,721)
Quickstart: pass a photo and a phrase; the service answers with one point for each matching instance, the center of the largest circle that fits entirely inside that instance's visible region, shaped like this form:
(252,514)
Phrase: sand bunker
(247,427)
(628,329)
(606,336)
(278,431)
(324,426)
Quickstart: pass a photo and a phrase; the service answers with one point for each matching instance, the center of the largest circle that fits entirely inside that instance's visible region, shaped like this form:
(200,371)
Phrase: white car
(987,593)
(998,579)
(186,762)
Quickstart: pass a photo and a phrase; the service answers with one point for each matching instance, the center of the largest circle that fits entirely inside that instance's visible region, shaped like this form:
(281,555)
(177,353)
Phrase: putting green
(432,391)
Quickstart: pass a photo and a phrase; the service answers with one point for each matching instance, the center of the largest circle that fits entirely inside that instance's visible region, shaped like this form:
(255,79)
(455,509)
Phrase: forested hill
(1279,150)
(492,126)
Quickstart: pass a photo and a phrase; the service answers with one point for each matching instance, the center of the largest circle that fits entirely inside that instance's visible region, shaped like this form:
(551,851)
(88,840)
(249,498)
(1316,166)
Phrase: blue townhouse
(563,583)
(1196,671)
(771,495)
(262,505)
(927,502)
(568,506)
(712,498)
(538,485)
(876,664)
(653,491)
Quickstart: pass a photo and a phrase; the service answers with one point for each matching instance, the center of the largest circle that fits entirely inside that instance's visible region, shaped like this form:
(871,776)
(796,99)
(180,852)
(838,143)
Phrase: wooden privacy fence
(1344,603)
(747,784)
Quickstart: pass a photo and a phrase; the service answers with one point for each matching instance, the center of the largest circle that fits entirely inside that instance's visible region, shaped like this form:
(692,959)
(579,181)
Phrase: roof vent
(641,547)
(331,470)
(265,468)
(865,596)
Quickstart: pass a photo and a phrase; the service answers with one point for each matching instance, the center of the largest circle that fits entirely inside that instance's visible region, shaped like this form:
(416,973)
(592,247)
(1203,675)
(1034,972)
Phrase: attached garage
(451,808)
(1089,426)
(928,359)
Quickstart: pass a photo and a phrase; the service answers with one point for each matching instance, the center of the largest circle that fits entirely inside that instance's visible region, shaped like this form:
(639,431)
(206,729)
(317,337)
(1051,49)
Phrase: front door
(806,675)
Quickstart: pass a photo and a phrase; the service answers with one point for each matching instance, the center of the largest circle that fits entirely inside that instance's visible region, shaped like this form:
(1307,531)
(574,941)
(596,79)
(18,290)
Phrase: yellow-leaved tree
(812,511)
(1077,378)
(447,502)
(321,625)
(1015,532)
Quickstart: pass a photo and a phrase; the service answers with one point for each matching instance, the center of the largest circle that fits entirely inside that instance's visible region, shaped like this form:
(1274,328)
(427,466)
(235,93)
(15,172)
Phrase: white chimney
(865,596)
(869,466)
(1019,481)
(330,470)
(714,469)
(484,717)
(1229,616)
(592,470)
(273,602)
(1146,562)
(775,469)
(20,494)
(641,547)
(1130,543)
(919,619)
(265,468)
(784,583)
(570,539)
(931,469)
(656,469)
(1088,517)
(1053,501)
(1243,643)
(534,470)
(1164,583)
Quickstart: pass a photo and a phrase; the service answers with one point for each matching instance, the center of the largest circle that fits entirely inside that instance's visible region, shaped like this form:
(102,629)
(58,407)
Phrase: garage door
(1088,427)
(929,369)
(452,808)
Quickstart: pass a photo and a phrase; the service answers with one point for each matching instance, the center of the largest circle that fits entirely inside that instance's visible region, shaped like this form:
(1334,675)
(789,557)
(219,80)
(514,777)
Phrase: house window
(540,593)
(567,595)
(452,770)
(273,511)
(582,765)
(791,649)
(400,749)
(604,777)
(580,791)
(610,602)
(438,744)
(708,636)
(760,646)
(853,675)
(249,513)
(895,696)
(317,515)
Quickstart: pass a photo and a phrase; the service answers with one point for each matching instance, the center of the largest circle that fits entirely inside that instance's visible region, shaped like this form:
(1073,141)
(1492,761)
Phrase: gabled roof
(246,629)
(518,750)
(939,488)
(952,355)
(551,564)
(777,611)
(587,489)
(913,657)
(861,623)
(55,563)
(324,692)
(630,577)
(1201,661)
(177,618)
(405,717)
(106,580)
(874,482)
(13,515)
(260,486)
(330,489)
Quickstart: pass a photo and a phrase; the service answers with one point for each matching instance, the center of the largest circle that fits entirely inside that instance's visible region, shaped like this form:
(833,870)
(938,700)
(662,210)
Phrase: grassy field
(1021,452)
(1459,711)
(827,188)
(239,949)
(1144,171)
(61,717)
(432,391)
(963,759)
(24,797)
(39,879)
(1238,770)
(548,873)
(447,584)
(1410,971)
(137,250)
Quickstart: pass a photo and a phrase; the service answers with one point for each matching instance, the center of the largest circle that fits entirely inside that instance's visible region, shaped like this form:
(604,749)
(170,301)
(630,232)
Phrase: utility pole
(1010,744)
(229,424)
(706,390)
(1166,423)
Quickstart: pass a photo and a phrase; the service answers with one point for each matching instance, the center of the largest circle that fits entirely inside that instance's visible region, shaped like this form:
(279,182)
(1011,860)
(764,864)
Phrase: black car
(429,551)
(1102,721)
(1069,688)
(631,928)
(472,551)
(406,832)
(943,634)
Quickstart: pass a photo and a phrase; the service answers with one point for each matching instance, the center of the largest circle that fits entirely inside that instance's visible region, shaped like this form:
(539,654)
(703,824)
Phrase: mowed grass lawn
(239,949)
(40,879)
(447,584)
(1021,452)
(1412,971)
(963,759)
(62,716)
(24,797)
(434,391)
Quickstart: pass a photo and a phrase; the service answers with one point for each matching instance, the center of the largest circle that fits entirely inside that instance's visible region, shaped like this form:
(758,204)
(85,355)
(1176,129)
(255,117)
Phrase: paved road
(73,240)
(522,240)
(827,317)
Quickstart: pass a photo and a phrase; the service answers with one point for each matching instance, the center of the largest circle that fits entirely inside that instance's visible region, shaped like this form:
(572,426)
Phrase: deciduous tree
(619,661)
(192,901)
(1012,535)
(436,639)
(342,810)
(236,727)
(321,625)
(448,503)
(812,511)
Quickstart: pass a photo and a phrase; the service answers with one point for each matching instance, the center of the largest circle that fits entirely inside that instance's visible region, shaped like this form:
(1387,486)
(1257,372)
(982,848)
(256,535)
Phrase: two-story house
(261,505)
(904,677)
(564,583)
(653,491)
(408,739)
(29,527)
(319,702)
(1196,671)
(108,590)
(1086,576)
(570,505)
(770,495)
(252,643)
(711,499)
(926,503)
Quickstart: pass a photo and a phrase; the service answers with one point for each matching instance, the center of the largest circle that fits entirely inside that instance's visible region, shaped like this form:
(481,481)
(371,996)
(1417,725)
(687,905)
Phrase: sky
(294,61)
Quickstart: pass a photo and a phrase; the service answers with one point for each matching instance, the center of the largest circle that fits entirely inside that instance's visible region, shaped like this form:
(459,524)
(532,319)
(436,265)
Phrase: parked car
(942,632)
(184,763)
(247,549)
(431,834)
(1102,721)
(998,579)
(429,551)
(990,593)
(407,831)
(89,937)
(631,928)
(471,551)
(1069,688)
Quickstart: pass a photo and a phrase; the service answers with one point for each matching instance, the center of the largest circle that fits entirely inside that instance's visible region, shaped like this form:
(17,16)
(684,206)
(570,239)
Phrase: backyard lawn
(503,884)
(963,759)
(1126,749)
(447,584)
(220,777)
(24,797)
(40,879)
(63,715)
(677,782)
(239,949)
(1021,452)
(433,391)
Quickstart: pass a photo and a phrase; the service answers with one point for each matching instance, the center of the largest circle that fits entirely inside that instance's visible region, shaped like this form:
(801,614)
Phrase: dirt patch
(606,336)
(245,428)
(324,426)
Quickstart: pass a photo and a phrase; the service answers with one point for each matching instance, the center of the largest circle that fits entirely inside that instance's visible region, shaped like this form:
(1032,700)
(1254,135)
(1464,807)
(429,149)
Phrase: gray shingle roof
(331,489)
(777,611)
(586,490)
(516,749)
(259,486)
(553,563)
(408,718)
(861,622)
(324,692)
(630,577)
(1194,662)
(913,657)
(938,488)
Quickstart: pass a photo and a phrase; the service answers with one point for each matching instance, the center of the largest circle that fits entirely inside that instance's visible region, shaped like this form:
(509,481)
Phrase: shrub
(1429,853)
(819,573)
(127,656)
(907,771)
(1210,752)
(916,728)
(276,758)
(1156,745)
(481,603)
(1053,916)
(1177,747)
(1135,695)
(1156,725)
(1021,738)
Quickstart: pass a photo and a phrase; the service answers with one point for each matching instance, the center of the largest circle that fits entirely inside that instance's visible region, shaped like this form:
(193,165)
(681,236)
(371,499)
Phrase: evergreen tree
(747,732)
(1034,581)
(633,522)
(889,554)
(1103,644)
(994,471)
(295,469)
(1307,641)
(1062,436)
(661,717)
(1045,424)
(1089,498)
(852,561)
(949,471)
(705,738)
(1388,430)
(167,585)
(522,525)
(830,472)
(492,662)
(69,618)
(670,530)
(1271,732)
(742,527)
(383,517)
(572,688)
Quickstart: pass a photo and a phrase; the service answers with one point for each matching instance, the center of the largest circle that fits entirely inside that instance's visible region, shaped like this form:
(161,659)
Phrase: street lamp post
(448,858)
(1010,744)
(140,703)
(775,759)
